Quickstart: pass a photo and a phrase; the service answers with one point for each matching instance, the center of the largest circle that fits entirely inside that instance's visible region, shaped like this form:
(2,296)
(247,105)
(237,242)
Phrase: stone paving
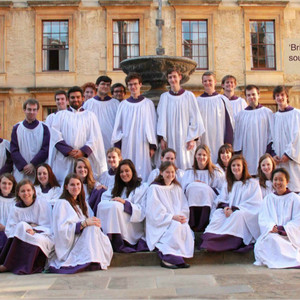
(218,281)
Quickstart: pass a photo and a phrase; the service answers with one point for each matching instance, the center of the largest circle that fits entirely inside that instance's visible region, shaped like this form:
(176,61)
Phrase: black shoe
(168,266)
(183,266)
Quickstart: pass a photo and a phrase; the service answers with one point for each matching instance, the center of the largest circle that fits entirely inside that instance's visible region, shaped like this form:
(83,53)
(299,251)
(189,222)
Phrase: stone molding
(195,2)
(6,3)
(125,2)
(38,3)
(282,3)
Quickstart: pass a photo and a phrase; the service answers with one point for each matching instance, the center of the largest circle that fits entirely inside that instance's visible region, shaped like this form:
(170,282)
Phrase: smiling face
(75,100)
(229,85)
(237,168)
(174,81)
(267,167)
(6,186)
(168,175)
(42,176)
(209,83)
(134,87)
(31,112)
(202,158)
(252,97)
(26,193)
(61,101)
(74,187)
(169,156)
(89,93)
(113,159)
(280,183)
(81,170)
(225,157)
(125,173)
(281,100)
(103,88)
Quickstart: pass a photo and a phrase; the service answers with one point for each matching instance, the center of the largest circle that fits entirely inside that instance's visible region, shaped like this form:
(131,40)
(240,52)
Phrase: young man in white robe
(29,144)
(6,164)
(135,127)
(105,108)
(217,116)
(75,133)
(279,219)
(286,137)
(252,136)
(237,103)
(61,102)
(179,122)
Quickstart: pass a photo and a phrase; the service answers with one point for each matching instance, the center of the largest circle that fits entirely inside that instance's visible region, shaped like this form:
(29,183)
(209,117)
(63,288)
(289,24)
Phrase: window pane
(185,26)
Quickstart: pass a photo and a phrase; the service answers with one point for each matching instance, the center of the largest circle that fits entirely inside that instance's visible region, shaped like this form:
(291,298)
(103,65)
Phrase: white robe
(273,249)
(212,110)
(90,246)
(253,134)
(135,126)
(162,232)
(107,180)
(20,219)
(105,112)
(6,205)
(242,223)
(238,105)
(51,196)
(201,193)
(179,122)
(49,120)
(3,147)
(268,189)
(77,129)
(286,139)
(115,220)
(154,173)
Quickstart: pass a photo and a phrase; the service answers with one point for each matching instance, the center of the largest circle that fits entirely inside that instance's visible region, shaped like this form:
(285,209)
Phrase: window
(262,45)
(194,42)
(55,45)
(126,43)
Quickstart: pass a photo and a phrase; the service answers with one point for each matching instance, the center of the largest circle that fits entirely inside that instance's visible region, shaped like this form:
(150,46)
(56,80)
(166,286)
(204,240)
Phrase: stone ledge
(6,3)
(195,2)
(282,3)
(125,2)
(37,3)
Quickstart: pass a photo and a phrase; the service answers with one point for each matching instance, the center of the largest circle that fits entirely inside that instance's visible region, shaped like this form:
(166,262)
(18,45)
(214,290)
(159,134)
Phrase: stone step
(201,257)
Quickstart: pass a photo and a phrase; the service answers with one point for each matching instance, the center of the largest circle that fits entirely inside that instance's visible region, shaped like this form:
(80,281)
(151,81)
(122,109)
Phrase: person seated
(28,230)
(224,155)
(265,168)
(234,224)
(46,184)
(80,244)
(201,184)
(122,210)
(7,202)
(167,215)
(279,220)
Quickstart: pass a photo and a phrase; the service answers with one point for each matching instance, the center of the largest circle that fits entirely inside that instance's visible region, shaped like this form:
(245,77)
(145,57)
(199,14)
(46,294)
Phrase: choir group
(103,175)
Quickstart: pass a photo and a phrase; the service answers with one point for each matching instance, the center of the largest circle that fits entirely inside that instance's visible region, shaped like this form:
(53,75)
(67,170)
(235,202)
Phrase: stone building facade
(51,44)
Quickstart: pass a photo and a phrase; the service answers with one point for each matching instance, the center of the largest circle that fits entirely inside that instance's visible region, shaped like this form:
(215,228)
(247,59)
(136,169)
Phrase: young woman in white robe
(201,186)
(122,210)
(7,202)
(46,184)
(286,137)
(279,219)
(224,155)
(80,244)
(29,235)
(266,165)
(167,215)
(234,224)
(168,154)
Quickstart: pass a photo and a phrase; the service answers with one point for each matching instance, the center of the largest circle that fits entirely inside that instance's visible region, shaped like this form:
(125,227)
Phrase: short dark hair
(209,73)
(279,89)
(60,92)
(89,84)
(131,76)
(31,102)
(250,87)
(104,79)
(116,85)
(281,170)
(228,77)
(74,89)
(174,69)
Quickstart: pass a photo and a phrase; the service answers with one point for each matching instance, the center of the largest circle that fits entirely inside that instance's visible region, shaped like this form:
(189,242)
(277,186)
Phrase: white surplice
(162,232)
(6,205)
(273,249)
(242,223)
(135,126)
(4,146)
(77,129)
(115,220)
(51,196)
(179,122)
(20,219)
(286,140)
(154,173)
(266,190)
(71,249)
(107,180)
(105,112)
(253,134)
(238,105)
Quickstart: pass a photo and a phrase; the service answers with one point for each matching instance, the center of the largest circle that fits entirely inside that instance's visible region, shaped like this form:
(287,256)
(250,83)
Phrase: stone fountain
(153,68)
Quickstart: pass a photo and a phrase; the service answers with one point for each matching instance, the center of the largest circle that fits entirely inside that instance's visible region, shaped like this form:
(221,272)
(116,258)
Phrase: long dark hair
(261,176)
(165,165)
(224,149)
(80,200)
(18,187)
(10,178)
(52,181)
(89,180)
(229,175)
(120,184)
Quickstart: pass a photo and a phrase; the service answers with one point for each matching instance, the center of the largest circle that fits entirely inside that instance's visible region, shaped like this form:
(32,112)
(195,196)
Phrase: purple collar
(1,140)
(10,195)
(180,92)
(234,97)
(158,183)
(22,204)
(46,189)
(71,109)
(285,193)
(31,125)
(250,108)
(106,98)
(288,108)
(112,172)
(204,95)
(133,100)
